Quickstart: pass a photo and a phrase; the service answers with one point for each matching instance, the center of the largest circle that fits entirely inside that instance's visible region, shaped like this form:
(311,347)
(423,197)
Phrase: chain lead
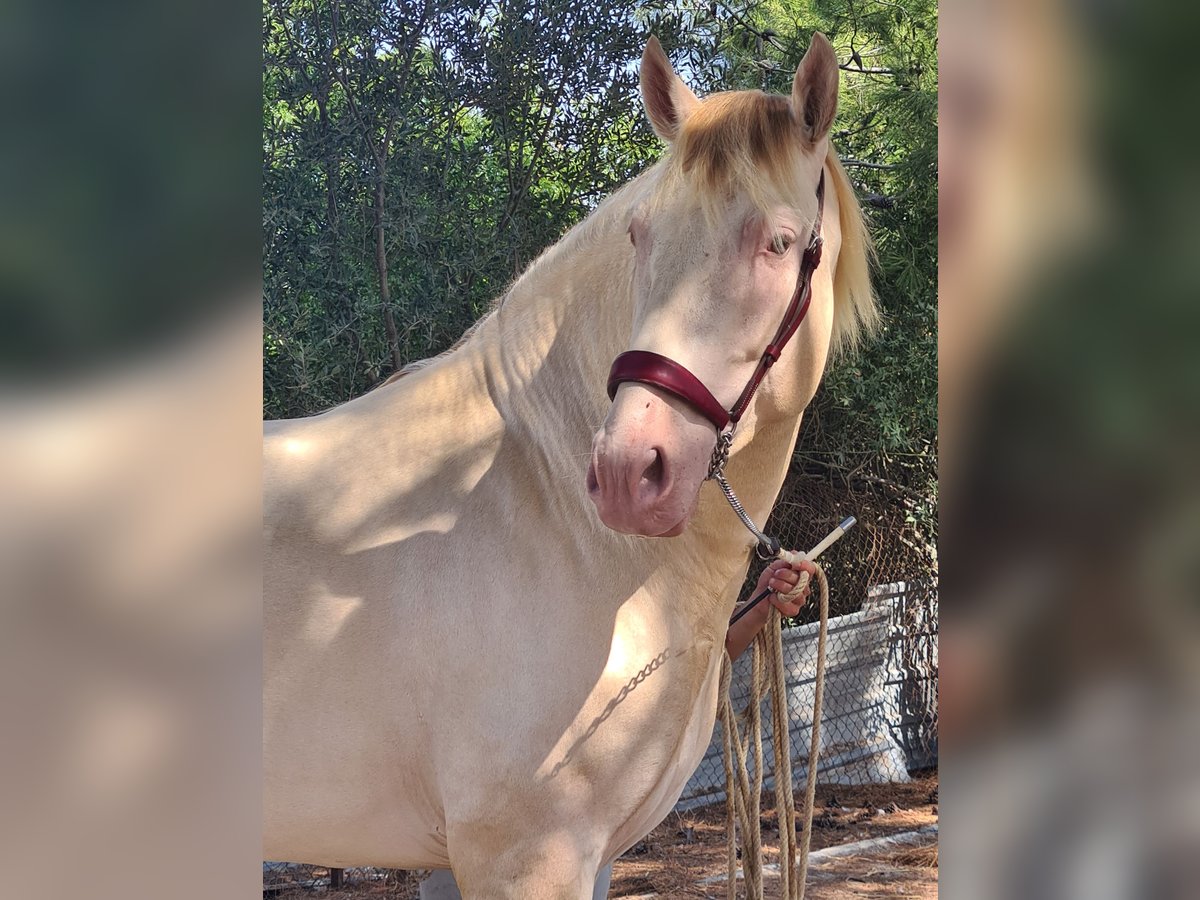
(768,547)
(720,454)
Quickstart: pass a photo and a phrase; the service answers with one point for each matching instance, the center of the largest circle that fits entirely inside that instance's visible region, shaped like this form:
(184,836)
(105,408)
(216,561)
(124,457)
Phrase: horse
(495,601)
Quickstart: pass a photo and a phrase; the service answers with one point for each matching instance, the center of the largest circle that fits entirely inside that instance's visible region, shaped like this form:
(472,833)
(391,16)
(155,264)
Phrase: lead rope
(743,802)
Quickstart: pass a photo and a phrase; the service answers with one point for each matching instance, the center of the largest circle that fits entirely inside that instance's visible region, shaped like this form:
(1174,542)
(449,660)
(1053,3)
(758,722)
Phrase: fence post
(335,878)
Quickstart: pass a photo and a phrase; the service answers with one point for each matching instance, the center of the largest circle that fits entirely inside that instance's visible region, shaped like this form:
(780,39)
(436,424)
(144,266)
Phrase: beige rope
(744,804)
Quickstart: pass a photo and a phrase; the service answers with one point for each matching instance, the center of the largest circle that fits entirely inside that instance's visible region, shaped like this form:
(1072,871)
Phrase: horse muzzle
(648,462)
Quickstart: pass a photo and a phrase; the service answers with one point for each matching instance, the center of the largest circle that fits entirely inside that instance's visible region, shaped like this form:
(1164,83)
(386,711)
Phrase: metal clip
(769,549)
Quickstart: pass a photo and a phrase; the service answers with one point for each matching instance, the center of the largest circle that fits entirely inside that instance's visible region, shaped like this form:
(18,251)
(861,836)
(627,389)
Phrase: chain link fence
(880,714)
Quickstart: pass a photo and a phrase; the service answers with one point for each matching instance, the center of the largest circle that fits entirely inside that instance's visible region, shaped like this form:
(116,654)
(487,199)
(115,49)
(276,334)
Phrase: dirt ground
(690,847)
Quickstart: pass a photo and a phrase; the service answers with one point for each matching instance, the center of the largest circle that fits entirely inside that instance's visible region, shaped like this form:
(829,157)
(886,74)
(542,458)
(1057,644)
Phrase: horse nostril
(655,473)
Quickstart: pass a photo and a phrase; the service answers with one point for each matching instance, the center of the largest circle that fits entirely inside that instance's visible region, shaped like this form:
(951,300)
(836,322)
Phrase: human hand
(782,578)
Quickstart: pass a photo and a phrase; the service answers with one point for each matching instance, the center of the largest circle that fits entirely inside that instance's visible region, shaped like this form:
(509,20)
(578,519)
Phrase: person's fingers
(785,581)
(781,579)
(807,565)
(786,607)
(771,572)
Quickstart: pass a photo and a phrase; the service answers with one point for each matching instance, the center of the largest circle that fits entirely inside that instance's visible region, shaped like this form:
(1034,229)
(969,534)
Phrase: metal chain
(720,454)
(768,547)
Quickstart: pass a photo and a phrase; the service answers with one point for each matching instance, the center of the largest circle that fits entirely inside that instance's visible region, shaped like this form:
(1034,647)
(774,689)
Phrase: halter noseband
(654,369)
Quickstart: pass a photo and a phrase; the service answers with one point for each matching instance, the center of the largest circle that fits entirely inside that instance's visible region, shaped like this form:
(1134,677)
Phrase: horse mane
(748,142)
(855,309)
(417,364)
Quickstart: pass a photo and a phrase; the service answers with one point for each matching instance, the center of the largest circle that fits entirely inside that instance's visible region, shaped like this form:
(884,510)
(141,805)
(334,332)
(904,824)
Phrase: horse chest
(687,739)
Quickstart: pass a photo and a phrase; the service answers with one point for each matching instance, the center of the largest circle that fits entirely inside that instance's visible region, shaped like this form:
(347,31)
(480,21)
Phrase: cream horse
(463,666)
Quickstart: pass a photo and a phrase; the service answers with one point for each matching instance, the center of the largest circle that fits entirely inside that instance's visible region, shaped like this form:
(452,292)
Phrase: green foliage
(493,128)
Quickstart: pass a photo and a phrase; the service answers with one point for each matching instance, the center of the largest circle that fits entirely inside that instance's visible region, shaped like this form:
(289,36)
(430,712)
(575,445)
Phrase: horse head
(723,244)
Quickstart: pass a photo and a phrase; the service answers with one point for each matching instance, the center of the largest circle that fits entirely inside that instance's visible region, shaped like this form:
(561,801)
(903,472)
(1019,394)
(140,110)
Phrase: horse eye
(780,244)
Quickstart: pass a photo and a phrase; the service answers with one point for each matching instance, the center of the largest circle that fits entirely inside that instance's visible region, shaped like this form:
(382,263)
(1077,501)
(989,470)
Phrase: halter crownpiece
(647,367)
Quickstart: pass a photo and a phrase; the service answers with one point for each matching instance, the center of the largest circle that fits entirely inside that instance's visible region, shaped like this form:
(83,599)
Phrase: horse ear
(668,100)
(815,89)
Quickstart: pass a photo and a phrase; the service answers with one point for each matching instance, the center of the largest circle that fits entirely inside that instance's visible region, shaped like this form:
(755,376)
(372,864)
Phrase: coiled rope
(743,798)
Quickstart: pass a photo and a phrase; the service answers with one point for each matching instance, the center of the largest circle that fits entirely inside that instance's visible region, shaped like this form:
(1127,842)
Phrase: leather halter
(659,371)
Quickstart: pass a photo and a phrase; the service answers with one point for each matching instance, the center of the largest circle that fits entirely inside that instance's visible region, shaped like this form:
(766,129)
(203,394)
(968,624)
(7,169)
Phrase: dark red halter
(657,370)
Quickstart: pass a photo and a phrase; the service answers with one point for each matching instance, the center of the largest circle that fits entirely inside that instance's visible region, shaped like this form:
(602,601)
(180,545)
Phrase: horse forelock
(743,142)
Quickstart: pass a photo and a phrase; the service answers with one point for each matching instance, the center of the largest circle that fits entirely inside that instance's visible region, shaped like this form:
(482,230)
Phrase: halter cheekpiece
(646,367)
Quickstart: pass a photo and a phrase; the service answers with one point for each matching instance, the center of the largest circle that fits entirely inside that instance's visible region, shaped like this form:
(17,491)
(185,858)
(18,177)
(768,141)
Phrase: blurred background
(130,402)
(1069,393)
(140,168)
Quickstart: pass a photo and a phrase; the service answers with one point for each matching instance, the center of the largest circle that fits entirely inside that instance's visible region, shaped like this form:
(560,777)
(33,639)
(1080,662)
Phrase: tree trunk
(385,296)
(331,164)
(320,90)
